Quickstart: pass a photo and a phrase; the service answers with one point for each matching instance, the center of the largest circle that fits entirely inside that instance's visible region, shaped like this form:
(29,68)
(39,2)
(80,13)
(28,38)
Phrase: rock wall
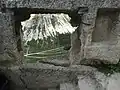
(98,44)
(9,53)
(104,39)
(102,47)
(50,77)
(74,55)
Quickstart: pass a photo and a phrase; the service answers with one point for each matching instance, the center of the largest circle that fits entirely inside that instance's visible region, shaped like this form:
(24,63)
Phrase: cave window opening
(4,82)
(47,36)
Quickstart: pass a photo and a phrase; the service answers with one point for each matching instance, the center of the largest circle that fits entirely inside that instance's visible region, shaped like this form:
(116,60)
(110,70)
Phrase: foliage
(48,43)
(48,48)
(45,36)
(108,69)
(58,53)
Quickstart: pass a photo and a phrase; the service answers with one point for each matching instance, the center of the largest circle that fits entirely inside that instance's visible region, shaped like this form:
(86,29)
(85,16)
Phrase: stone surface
(114,82)
(108,54)
(67,86)
(8,42)
(91,32)
(99,41)
(102,42)
(74,56)
(52,89)
(92,81)
(99,81)
(45,75)
(61,4)
(56,62)
(36,76)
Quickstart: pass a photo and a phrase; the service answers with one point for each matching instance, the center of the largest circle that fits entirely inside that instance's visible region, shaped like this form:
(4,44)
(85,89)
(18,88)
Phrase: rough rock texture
(61,4)
(90,47)
(44,75)
(52,89)
(64,63)
(104,39)
(8,40)
(99,81)
(92,81)
(68,86)
(74,56)
(99,42)
(114,82)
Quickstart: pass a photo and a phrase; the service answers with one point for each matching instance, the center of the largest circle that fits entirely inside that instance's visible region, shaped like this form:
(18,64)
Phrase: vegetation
(45,36)
(47,49)
(108,69)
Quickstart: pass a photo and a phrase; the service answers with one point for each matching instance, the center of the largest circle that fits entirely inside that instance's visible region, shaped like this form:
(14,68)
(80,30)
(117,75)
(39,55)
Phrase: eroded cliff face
(97,46)
(9,53)
(96,43)
(74,53)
